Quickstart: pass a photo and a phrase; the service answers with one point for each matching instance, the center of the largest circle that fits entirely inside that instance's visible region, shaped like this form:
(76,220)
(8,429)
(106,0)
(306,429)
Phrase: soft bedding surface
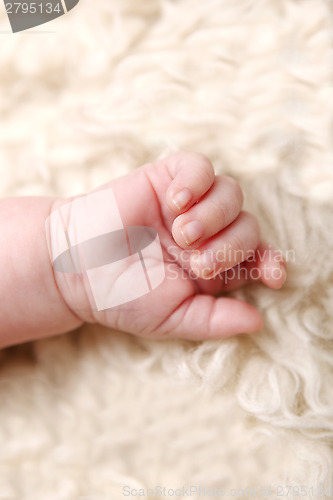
(99,414)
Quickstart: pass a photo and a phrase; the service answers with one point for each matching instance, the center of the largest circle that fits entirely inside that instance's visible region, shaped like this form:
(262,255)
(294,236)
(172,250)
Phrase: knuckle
(199,164)
(206,164)
(252,223)
(225,214)
(230,200)
(238,248)
(202,162)
(245,240)
(236,189)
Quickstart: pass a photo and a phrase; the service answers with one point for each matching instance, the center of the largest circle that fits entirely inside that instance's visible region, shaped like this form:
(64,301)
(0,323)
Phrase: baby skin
(198,218)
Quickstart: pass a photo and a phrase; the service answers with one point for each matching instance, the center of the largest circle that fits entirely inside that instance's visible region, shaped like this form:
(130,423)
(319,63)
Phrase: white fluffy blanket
(97,414)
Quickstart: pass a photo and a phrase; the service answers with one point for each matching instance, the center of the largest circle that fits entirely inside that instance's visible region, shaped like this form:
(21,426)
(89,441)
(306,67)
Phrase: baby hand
(204,245)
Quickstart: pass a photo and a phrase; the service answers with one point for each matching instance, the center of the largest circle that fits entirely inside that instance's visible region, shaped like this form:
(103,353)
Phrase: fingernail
(192,231)
(182,198)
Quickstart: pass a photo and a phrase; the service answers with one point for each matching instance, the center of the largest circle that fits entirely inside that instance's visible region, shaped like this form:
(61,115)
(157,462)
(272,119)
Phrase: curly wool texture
(120,83)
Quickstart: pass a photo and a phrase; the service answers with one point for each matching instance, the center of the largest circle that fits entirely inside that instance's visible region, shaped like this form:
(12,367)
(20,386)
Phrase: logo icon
(25,15)
(87,237)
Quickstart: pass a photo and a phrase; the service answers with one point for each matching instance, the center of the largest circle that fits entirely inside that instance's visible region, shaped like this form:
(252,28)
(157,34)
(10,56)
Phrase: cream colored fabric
(122,82)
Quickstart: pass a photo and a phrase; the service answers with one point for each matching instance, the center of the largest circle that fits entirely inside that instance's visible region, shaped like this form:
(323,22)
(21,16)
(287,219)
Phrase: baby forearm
(31,304)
